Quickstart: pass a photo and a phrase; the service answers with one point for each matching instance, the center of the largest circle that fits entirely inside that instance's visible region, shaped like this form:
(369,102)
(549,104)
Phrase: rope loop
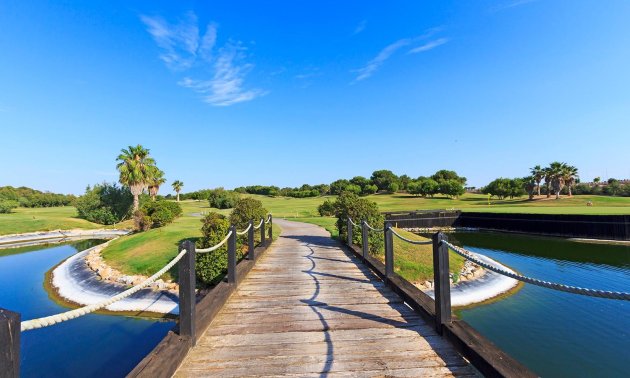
(417,242)
(217,246)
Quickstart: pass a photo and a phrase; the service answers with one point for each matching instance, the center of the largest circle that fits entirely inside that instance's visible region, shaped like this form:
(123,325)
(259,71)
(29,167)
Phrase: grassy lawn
(23,220)
(147,252)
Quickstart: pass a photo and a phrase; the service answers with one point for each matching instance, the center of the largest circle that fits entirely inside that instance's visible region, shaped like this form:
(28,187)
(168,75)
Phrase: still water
(92,345)
(557,334)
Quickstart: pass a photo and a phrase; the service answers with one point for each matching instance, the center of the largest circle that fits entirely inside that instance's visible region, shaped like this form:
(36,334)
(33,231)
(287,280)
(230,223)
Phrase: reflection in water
(93,345)
(556,333)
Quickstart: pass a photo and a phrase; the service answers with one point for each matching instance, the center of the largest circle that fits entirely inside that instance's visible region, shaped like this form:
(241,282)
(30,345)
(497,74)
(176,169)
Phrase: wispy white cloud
(184,48)
(226,87)
(510,4)
(360,27)
(428,46)
(375,63)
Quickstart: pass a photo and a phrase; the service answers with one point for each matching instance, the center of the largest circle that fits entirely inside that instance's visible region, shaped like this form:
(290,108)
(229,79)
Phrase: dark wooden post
(250,241)
(365,234)
(349,232)
(9,344)
(270,227)
(441,282)
(187,285)
(262,233)
(232,256)
(389,250)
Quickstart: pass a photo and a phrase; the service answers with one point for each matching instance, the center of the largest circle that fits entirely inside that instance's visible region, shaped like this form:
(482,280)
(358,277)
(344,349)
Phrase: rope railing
(216,246)
(551,285)
(268,219)
(259,224)
(417,242)
(374,229)
(72,314)
(244,231)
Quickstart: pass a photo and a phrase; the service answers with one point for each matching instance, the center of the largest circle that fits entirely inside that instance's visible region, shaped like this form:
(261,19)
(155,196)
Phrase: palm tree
(557,170)
(156,179)
(548,176)
(177,187)
(136,168)
(538,174)
(569,174)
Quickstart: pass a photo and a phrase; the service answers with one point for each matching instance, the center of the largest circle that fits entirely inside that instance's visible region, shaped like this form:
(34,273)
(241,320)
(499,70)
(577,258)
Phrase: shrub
(369,189)
(210,267)
(247,209)
(326,209)
(222,199)
(351,188)
(105,203)
(161,212)
(7,205)
(359,209)
(393,187)
(141,221)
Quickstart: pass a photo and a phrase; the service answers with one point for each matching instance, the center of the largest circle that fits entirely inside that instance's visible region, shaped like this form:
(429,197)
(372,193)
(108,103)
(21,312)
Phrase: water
(553,333)
(92,345)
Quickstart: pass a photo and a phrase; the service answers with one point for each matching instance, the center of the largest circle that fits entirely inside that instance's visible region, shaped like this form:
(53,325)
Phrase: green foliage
(247,209)
(393,187)
(211,267)
(452,188)
(222,199)
(27,197)
(369,189)
(105,203)
(161,213)
(338,186)
(445,175)
(383,179)
(424,187)
(359,209)
(351,188)
(505,187)
(326,209)
(141,221)
(7,205)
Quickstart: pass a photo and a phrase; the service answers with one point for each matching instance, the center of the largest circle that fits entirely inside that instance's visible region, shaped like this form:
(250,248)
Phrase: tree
(383,179)
(104,203)
(596,180)
(247,209)
(155,181)
(429,187)
(557,174)
(136,168)
(359,209)
(548,176)
(452,188)
(177,187)
(538,173)
(338,186)
(569,175)
(443,175)
(360,181)
(393,187)
(530,185)
(369,189)
(404,181)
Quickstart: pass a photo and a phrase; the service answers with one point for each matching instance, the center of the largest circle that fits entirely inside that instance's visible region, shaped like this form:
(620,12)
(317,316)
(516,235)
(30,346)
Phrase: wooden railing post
(441,282)
(349,232)
(187,283)
(270,227)
(232,256)
(365,234)
(389,250)
(262,233)
(9,344)
(250,241)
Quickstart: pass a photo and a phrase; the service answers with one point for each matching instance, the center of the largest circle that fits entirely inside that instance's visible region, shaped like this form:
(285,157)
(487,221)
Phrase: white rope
(374,229)
(352,223)
(551,285)
(215,247)
(54,319)
(259,224)
(268,219)
(244,231)
(418,242)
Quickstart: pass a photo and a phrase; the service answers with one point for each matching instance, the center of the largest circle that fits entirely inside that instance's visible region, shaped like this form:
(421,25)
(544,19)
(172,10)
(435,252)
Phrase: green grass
(147,252)
(23,220)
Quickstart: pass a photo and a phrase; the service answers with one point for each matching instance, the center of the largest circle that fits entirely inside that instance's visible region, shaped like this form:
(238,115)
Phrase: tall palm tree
(177,187)
(155,181)
(136,168)
(557,170)
(570,175)
(548,176)
(538,173)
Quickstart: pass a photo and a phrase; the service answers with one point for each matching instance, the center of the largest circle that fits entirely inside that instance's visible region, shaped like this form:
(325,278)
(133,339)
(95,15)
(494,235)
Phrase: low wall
(609,227)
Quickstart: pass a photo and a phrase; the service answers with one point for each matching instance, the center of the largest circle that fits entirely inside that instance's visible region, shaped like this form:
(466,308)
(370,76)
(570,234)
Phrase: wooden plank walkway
(308,309)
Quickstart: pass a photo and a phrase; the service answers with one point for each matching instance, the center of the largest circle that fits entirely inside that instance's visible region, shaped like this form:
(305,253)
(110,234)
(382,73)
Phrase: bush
(393,187)
(141,221)
(105,203)
(359,209)
(222,199)
(7,205)
(161,213)
(210,267)
(326,209)
(247,209)
(504,187)
(369,189)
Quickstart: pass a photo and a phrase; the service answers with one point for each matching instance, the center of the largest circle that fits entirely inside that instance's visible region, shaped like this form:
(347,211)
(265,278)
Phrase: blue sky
(236,92)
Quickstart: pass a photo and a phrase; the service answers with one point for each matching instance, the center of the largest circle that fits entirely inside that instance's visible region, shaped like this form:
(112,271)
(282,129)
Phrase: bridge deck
(308,309)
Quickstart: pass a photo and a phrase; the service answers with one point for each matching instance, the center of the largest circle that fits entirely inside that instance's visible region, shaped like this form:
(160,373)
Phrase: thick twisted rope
(268,219)
(215,247)
(551,285)
(244,231)
(417,242)
(259,224)
(374,229)
(352,223)
(64,316)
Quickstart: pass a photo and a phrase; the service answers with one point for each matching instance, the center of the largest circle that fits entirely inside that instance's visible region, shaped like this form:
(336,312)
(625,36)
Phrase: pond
(551,332)
(93,345)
